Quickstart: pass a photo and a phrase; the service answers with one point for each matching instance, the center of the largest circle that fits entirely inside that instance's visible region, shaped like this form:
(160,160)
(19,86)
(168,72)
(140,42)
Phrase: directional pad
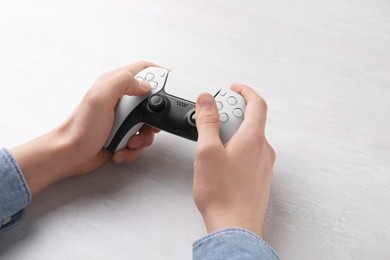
(232,100)
(223,117)
(153,84)
(151,79)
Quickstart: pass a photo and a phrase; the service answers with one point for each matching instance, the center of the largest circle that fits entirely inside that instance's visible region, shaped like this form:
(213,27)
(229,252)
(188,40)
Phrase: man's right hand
(232,182)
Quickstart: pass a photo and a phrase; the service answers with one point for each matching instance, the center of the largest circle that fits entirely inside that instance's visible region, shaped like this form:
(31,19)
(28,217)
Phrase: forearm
(45,160)
(76,147)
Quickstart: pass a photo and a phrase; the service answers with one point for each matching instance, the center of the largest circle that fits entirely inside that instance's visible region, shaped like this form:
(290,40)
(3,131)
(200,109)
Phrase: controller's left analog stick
(156,103)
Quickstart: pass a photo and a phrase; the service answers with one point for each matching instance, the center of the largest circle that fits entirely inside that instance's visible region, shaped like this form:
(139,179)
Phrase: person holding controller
(231,182)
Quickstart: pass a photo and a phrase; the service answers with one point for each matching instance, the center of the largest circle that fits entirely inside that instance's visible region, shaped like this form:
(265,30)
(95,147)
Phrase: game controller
(171,107)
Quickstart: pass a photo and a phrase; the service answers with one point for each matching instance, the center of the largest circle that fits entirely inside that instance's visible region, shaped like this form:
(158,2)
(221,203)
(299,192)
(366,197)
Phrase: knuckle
(256,136)
(240,85)
(208,149)
(124,75)
(144,63)
(271,153)
(102,77)
(262,104)
(235,85)
(256,141)
(94,98)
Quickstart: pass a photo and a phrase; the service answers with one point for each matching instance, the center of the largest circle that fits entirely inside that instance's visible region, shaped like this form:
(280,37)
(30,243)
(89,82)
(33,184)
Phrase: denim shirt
(14,192)
(231,243)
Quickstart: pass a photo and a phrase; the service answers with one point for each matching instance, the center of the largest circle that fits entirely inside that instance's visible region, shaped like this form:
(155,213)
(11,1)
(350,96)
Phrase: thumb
(207,119)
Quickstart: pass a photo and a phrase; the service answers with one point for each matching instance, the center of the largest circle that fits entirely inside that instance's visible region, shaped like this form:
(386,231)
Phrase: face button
(222,92)
(149,76)
(223,117)
(232,100)
(238,112)
(140,78)
(153,84)
(156,103)
(219,105)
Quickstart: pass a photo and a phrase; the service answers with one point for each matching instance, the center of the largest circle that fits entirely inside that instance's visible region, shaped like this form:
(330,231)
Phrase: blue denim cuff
(232,243)
(14,192)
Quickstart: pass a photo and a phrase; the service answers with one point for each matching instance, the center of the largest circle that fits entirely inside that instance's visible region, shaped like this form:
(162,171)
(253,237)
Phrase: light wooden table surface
(323,66)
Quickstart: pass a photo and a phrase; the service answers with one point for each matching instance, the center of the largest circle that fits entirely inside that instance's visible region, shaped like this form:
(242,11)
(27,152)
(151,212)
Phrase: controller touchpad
(186,87)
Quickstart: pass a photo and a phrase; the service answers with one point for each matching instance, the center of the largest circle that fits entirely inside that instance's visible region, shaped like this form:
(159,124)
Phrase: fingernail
(144,84)
(205,100)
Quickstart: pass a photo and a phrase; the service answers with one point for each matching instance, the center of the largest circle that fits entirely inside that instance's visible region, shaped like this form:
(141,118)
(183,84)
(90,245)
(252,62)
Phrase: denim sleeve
(232,243)
(14,192)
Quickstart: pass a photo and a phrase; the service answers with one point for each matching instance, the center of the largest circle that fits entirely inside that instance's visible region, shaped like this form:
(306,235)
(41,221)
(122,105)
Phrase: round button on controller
(153,84)
(232,100)
(219,105)
(222,93)
(238,112)
(149,76)
(223,117)
(156,103)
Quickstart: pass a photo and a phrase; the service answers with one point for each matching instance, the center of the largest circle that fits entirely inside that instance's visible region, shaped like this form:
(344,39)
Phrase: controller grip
(123,143)
(126,122)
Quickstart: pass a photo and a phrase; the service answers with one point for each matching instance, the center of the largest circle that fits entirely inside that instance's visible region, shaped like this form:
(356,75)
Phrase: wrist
(84,150)
(230,219)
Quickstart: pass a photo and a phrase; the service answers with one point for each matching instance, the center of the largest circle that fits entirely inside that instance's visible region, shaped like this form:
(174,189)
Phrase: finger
(115,84)
(127,155)
(105,95)
(207,120)
(124,83)
(250,135)
(134,69)
(156,130)
(143,139)
(256,108)
(147,127)
(125,77)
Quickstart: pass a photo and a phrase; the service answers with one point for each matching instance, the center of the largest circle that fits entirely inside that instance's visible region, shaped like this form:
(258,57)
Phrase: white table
(323,67)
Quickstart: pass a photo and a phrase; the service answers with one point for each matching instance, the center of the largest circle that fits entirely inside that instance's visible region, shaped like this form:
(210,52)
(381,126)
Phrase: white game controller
(171,107)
